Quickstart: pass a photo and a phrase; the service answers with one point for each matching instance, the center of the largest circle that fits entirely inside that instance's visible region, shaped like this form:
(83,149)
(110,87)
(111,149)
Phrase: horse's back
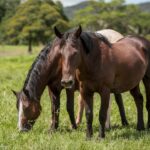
(131,62)
(112,35)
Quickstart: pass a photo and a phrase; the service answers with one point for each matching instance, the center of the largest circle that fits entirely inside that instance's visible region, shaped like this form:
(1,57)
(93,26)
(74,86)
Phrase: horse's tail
(147,49)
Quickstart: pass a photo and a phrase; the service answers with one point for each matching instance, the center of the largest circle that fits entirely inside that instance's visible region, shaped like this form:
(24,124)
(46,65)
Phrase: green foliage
(34,21)
(8,8)
(127,19)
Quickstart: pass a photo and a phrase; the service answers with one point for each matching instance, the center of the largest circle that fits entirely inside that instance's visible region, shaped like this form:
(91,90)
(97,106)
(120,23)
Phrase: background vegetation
(29,26)
(32,22)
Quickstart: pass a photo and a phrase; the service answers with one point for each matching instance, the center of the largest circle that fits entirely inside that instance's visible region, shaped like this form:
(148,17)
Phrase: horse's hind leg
(80,110)
(119,102)
(70,107)
(138,98)
(146,81)
(107,123)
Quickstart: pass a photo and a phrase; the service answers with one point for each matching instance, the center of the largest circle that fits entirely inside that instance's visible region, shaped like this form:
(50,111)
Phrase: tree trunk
(30,45)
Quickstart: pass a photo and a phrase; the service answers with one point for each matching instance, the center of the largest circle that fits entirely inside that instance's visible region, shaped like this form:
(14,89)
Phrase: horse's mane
(103,38)
(87,40)
(34,71)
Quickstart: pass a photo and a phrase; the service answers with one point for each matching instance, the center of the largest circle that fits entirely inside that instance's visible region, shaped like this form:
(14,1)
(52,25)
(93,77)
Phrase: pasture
(14,65)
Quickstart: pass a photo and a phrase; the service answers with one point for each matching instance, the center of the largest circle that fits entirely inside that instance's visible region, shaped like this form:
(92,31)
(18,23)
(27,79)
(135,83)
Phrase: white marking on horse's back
(20,115)
(112,35)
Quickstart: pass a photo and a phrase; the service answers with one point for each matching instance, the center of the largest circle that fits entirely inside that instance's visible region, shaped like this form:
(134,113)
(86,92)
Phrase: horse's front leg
(70,107)
(55,108)
(80,110)
(88,101)
(105,96)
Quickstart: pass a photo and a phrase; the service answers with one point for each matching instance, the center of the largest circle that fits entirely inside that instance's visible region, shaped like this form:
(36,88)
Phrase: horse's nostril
(70,82)
(67,83)
(62,82)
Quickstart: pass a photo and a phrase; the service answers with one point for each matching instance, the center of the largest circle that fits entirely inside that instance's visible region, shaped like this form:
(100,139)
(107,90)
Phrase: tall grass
(13,70)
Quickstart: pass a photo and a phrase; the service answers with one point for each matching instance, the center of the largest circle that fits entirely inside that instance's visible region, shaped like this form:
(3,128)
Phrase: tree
(127,19)
(33,22)
(7,8)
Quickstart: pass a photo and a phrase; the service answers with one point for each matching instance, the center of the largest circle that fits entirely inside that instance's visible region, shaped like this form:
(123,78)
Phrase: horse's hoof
(78,122)
(140,128)
(148,126)
(100,138)
(74,127)
(125,123)
(88,138)
(89,135)
(107,127)
(52,130)
(24,130)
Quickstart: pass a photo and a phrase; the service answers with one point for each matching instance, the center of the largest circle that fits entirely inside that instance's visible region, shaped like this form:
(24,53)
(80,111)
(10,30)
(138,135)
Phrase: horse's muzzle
(68,84)
(28,126)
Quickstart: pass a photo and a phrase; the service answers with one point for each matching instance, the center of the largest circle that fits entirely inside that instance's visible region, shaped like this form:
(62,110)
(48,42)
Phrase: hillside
(70,11)
(145,6)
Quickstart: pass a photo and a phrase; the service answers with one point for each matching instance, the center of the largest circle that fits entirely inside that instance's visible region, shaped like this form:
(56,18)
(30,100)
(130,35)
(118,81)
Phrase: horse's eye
(74,45)
(75,53)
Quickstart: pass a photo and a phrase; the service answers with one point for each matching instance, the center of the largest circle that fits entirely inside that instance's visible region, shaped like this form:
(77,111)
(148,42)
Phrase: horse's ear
(78,31)
(14,92)
(58,33)
(26,92)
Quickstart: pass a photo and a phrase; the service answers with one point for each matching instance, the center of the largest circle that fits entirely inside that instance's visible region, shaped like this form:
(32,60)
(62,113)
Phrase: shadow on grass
(127,132)
(116,132)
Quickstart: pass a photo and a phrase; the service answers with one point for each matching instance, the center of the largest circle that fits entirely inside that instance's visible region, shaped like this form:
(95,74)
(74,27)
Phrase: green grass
(13,70)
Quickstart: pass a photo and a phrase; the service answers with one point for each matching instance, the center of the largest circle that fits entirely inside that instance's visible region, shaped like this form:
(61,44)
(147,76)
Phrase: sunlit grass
(22,50)
(13,70)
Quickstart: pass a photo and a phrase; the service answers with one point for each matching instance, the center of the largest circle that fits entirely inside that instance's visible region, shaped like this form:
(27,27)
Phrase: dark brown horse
(113,36)
(104,68)
(46,70)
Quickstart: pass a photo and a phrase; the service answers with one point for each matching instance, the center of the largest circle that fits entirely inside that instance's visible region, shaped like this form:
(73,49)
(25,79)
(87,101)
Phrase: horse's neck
(91,63)
(47,73)
(36,89)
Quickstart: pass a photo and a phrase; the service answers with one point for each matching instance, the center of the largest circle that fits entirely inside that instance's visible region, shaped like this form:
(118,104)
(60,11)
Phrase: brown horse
(45,71)
(104,68)
(113,36)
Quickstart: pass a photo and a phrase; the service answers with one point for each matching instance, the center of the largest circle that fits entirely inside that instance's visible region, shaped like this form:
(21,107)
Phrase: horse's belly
(128,78)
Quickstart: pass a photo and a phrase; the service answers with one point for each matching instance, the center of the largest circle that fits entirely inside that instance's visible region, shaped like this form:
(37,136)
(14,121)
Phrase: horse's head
(70,46)
(28,111)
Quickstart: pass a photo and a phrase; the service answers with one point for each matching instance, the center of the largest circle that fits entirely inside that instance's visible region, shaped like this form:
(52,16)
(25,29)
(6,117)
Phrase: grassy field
(14,65)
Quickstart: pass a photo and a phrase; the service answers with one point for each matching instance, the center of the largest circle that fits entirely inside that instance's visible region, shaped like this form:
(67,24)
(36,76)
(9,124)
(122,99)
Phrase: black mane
(103,38)
(87,40)
(34,71)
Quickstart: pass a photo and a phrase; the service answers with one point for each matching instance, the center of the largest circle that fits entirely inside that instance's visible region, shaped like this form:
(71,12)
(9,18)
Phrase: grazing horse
(113,36)
(104,68)
(45,71)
